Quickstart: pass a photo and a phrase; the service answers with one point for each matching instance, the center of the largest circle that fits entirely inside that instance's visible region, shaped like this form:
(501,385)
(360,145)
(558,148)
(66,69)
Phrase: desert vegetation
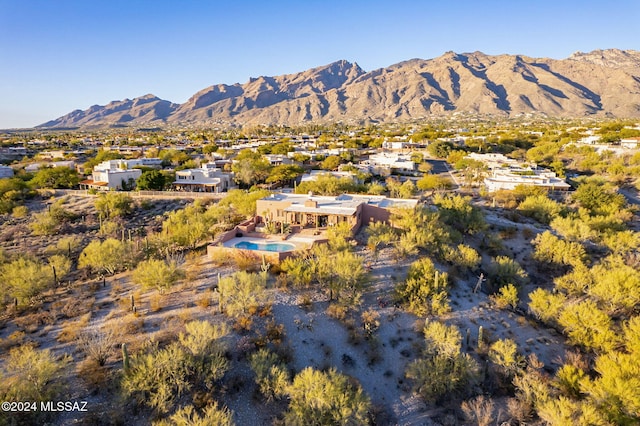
(516,306)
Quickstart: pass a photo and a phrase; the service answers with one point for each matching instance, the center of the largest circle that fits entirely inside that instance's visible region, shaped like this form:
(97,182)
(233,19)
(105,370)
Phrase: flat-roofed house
(323,211)
(113,174)
(207,178)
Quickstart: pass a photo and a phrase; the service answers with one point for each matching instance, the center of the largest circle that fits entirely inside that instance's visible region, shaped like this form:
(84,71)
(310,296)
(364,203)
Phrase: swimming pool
(278,247)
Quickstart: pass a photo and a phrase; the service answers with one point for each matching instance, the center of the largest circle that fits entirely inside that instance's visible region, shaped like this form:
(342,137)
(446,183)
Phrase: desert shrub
(24,279)
(108,256)
(158,274)
(20,211)
(32,375)
(188,415)
(72,330)
(328,398)
(337,311)
(240,292)
(555,251)
(504,270)
(155,302)
(442,370)
(65,246)
(97,345)
(479,410)
(113,204)
(272,376)
(540,208)
(97,377)
(587,325)
(438,376)
(110,228)
(159,377)
(506,297)
(299,271)
(463,257)
(458,212)
(43,224)
(61,264)
(504,353)
(245,261)
(425,289)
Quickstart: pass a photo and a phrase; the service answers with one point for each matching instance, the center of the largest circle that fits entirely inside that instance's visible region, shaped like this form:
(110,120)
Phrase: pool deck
(299,243)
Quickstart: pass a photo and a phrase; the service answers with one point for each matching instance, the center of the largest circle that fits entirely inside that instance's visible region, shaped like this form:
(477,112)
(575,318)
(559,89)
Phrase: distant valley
(602,83)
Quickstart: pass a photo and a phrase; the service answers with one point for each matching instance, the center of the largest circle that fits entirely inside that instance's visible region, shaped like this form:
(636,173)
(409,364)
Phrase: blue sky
(61,55)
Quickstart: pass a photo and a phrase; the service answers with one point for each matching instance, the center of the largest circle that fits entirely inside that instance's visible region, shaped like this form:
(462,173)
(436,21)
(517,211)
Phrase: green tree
(243,202)
(284,173)
(598,197)
(55,177)
(430,182)
(331,162)
(326,398)
(250,168)
(152,180)
(440,149)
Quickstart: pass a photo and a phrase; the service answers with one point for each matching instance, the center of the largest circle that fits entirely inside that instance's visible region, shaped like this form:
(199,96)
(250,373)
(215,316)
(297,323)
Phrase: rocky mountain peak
(602,82)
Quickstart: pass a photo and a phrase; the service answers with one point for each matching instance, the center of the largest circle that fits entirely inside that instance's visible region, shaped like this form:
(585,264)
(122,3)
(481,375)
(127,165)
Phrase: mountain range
(600,83)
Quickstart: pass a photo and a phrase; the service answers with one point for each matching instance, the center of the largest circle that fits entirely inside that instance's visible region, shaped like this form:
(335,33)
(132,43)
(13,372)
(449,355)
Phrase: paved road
(440,168)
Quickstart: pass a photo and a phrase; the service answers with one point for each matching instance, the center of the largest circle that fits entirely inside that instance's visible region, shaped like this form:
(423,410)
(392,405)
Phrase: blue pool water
(279,247)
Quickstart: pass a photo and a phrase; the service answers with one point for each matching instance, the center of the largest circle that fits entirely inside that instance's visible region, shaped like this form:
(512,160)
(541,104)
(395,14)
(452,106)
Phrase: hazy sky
(61,55)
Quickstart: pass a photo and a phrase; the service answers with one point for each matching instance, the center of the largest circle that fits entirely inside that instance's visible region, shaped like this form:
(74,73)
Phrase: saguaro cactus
(125,357)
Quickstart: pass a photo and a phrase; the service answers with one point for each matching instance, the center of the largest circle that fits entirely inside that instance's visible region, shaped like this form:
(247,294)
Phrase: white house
(509,178)
(207,178)
(116,174)
(384,162)
(507,173)
(630,143)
